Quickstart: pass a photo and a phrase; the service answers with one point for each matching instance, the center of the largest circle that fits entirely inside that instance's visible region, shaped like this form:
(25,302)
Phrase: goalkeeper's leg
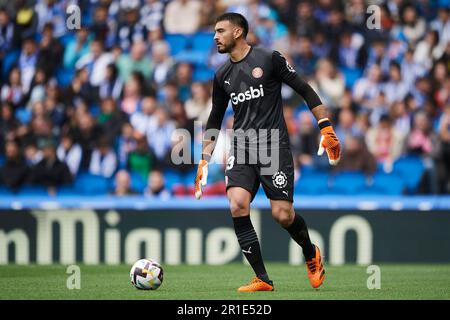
(240,200)
(283,213)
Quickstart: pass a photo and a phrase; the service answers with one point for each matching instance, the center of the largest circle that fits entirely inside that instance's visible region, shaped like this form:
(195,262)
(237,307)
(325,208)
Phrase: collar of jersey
(248,53)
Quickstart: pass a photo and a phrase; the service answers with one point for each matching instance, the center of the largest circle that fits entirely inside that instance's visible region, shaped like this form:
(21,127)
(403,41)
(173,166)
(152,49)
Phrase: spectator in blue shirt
(76,48)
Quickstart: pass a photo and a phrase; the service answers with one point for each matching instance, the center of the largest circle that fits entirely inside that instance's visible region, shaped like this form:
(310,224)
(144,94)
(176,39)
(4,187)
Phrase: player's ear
(237,32)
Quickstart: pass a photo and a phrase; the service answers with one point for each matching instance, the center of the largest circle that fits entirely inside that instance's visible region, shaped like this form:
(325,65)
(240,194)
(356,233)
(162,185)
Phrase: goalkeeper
(252,80)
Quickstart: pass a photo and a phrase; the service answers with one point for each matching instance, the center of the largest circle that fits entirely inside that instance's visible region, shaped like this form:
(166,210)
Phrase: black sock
(299,232)
(248,240)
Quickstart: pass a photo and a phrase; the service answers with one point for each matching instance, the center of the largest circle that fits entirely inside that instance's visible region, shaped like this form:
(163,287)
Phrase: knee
(284,216)
(239,208)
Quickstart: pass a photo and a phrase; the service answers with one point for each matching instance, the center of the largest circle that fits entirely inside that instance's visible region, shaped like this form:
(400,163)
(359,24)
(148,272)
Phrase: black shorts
(278,185)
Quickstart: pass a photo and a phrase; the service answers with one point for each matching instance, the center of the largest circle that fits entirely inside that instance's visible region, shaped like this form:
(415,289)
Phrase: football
(146,274)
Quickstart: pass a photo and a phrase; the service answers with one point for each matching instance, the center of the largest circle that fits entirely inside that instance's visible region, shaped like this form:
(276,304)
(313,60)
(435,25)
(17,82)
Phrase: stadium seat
(305,170)
(64,76)
(385,184)
(172,179)
(4,191)
(189,178)
(88,184)
(313,185)
(94,110)
(202,74)
(32,191)
(348,183)
(202,41)
(8,62)
(215,189)
(66,191)
(191,49)
(177,42)
(411,169)
(350,76)
(313,172)
(138,182)
(24,115)
(198,58)
(190,190)
(179,190)
(65,39)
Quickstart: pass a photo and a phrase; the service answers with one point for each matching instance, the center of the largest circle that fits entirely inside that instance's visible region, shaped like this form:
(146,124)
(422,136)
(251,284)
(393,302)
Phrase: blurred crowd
(388,87)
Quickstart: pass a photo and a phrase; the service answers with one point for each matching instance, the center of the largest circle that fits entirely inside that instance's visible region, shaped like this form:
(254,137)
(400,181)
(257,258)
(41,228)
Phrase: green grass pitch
(408,281)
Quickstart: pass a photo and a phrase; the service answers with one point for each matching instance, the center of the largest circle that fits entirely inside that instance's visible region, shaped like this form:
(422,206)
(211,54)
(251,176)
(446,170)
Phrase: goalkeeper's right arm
(220,102)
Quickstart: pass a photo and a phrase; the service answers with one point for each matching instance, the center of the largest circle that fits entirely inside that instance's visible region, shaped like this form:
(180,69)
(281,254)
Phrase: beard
(226,48)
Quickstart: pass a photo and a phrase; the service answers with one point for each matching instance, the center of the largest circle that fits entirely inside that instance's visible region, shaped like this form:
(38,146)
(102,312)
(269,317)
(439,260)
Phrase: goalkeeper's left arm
(329,141)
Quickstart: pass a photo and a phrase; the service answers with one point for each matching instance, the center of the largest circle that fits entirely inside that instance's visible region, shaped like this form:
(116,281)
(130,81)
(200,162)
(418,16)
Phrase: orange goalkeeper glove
(329,142)
(200,179)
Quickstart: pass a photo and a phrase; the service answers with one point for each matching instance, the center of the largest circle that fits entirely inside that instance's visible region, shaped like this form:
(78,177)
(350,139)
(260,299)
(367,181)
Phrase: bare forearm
(208,149)
(320,112)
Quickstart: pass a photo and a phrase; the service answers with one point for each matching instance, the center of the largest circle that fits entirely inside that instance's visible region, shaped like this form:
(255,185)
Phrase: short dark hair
(236,19)
(385,118)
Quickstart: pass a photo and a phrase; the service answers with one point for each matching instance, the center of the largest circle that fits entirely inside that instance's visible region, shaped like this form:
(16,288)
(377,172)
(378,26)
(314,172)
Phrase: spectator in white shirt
(152,14)
(395,89)
(330,82)
(442,25)
(70,152)
(37,90)
(112,85)
(130,30)
(32,154)
(12,92)
(252,10)
(52,11)
(6,31)
(28,60)
(412,25)
(411,70)
(400,116)
(143,120)
(159,133)
(103,159)
(96,62)
(199,105)
(366,89)
(126,144)
(182,16)
(163,63)
(428,50)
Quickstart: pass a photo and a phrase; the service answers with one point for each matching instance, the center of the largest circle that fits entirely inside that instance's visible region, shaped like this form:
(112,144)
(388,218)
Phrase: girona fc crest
(257,72)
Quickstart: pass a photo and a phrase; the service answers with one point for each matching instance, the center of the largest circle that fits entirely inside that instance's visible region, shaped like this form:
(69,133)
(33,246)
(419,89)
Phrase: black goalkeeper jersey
(253,85)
